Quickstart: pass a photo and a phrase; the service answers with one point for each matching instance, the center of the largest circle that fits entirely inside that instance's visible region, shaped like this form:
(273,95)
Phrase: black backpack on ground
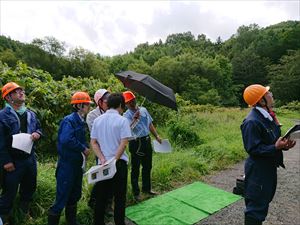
(240,187)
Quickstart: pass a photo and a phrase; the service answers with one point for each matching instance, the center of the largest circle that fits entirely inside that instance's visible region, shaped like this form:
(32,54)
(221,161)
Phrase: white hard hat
(99,94)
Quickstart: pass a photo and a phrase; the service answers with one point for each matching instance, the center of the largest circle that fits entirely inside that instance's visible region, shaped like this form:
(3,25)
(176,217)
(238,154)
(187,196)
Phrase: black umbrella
(148,87)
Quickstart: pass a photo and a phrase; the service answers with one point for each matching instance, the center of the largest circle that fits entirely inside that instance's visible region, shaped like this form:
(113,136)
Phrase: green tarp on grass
(186,205)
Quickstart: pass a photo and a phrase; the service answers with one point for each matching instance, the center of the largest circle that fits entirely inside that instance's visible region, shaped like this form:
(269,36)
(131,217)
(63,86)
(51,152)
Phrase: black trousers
(141,154)
(116,187)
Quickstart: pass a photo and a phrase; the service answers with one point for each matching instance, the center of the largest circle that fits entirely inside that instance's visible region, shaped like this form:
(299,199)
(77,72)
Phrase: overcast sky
(117,27)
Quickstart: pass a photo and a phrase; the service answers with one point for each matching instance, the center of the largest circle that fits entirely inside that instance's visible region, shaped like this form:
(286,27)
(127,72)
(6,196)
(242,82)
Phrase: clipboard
(102,172)
(295,128)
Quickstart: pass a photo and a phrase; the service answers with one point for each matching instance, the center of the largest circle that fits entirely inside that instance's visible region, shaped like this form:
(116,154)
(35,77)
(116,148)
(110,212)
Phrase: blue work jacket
(72,138)
(259,137)
(10,125)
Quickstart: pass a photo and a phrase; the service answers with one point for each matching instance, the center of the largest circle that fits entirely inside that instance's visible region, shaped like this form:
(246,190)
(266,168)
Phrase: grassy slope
(220,145)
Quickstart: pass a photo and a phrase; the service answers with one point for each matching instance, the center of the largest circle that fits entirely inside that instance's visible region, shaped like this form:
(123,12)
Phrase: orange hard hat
(9,87)
(80,97)
(253,93)
(128,96)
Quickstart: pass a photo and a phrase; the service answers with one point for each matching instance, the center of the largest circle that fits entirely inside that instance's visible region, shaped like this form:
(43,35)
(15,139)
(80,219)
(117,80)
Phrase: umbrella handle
(143,101)
(133,125)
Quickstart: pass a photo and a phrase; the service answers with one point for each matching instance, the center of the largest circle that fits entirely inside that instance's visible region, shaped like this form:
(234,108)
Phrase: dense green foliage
(200,70)
(49,98)
(285,77)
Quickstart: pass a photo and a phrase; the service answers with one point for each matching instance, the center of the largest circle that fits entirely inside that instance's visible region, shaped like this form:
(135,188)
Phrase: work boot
(151,193)
(53,219)
(70,212)
(252,221)
(137,198)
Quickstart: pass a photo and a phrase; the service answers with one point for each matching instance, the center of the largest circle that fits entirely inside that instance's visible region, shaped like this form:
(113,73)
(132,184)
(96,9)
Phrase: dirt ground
(285,207)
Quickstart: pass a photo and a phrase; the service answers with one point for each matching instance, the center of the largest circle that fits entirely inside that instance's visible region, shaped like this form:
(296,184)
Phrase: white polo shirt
(91,116)
(108,129)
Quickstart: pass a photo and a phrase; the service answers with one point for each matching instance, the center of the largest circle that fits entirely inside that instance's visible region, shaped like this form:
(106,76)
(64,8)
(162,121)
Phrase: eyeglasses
(19,91)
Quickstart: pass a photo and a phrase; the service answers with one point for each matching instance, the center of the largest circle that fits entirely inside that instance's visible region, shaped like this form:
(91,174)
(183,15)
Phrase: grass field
(216,144)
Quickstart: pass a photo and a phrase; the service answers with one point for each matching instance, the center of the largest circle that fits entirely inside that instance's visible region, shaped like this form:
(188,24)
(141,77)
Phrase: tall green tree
(9,57)
(274,41)
(50,45)
(244,38)
(166,70)
(285,78)
(199,91)
(86,64)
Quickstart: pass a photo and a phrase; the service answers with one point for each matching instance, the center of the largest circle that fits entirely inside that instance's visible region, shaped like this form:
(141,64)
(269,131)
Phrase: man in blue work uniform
(140,148)
(262,141)
(72,150)
(19,167)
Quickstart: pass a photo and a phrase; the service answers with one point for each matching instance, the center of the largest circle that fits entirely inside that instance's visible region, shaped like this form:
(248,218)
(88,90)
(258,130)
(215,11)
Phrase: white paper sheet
(23,142)
(164,147)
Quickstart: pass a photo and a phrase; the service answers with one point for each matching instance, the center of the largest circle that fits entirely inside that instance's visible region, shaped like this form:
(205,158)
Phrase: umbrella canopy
(148,87)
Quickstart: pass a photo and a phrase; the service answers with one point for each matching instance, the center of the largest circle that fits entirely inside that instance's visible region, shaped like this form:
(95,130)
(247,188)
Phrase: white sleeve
(94,131)
(89,121)
(125,129)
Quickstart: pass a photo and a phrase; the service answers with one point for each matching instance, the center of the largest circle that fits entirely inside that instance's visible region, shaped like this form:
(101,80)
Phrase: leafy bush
(50,99)
(293,106)
(181,133)
(199,91)
(169,170)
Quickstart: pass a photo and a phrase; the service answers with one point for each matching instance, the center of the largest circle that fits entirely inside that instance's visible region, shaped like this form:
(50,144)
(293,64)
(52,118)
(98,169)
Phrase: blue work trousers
(68,185)
(24,175)
(260,187)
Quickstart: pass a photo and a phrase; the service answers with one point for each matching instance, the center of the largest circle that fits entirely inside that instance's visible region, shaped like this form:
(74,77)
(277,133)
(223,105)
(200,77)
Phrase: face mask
(21,110)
